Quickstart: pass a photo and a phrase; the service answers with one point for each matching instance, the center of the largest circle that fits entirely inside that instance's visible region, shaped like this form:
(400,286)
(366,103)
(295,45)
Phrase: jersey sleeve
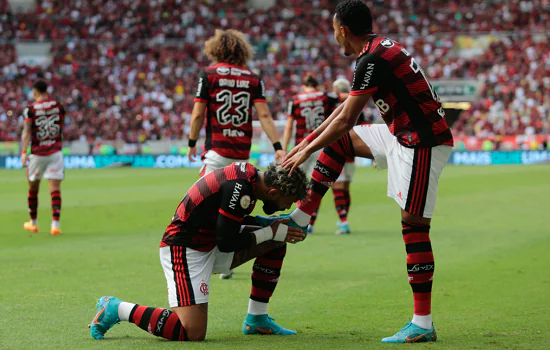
(370,71)
(234,207)
(27,114)
(290,109)
(202,88)
(259,92)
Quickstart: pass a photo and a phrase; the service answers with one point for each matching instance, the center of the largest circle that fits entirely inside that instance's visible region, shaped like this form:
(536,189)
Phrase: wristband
(278,147)
(311,137)
(192,143)
(263,234)
(280,235)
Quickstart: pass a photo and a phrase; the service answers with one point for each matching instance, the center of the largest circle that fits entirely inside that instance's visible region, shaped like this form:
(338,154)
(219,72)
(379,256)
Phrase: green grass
(490,237)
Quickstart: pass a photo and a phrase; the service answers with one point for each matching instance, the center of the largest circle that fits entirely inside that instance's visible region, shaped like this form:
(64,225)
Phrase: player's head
(282,190)
(352,19)
(341,86)
(309,83)
(228,46)
(39,89)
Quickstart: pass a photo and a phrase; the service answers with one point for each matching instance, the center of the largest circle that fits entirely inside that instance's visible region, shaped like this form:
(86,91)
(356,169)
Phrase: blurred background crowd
(127,69)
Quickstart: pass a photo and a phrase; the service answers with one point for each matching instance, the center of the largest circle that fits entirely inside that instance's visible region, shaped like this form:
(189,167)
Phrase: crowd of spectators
(127,69)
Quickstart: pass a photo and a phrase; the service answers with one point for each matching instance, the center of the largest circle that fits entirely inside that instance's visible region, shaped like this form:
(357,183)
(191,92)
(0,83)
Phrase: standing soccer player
(206,235)
(226,92)
(308,110)
(340,188)
(414,147)
(43,130)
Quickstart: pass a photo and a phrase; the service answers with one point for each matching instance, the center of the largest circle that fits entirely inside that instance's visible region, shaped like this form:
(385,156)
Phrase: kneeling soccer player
(207,236)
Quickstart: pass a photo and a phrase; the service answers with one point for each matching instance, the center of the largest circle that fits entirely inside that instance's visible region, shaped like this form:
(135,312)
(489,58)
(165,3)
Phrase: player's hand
(297,159)
(192,154)
(302,145)
(293,235)
(24,160)
(279,155)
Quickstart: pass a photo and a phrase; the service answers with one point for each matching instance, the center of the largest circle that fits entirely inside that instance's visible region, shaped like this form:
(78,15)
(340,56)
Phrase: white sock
(55,223)
(124,310)
(423,321)
(34,222)
(300,217)
(256,307)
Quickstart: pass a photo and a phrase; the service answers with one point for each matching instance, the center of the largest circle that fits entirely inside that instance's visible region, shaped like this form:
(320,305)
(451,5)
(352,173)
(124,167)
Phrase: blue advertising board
(262,160)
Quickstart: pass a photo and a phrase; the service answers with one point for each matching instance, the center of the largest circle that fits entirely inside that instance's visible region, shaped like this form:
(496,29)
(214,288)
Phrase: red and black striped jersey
(230,93)
(48,119)
(309,110)
(401,91)
(227,192)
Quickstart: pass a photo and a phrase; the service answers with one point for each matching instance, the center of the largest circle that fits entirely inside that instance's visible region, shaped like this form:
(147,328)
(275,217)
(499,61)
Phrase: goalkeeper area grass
(490,238)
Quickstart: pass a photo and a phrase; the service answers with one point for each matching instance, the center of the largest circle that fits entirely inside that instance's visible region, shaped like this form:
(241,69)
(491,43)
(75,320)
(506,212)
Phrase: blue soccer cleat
(263,324)
(343,229)
(411,333)
(106,316)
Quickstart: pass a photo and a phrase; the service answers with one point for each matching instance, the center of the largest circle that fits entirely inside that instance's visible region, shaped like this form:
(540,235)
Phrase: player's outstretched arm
(316,132)
(197,119)
(266,119)
(341,125)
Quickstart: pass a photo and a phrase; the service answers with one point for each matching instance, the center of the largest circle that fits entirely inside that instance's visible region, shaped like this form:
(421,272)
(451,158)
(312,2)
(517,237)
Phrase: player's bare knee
(414,219)
(195,333)
(34,186)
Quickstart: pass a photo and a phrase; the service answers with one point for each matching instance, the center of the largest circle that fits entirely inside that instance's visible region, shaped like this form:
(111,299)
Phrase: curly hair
(356,15)
(296,184)
(228,46)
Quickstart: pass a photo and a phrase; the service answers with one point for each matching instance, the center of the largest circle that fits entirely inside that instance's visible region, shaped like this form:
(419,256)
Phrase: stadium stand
(127,71)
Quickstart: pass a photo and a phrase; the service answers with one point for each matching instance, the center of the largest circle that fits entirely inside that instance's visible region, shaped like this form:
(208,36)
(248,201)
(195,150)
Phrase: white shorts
(213,161)
(309,164)
(188,272)
(347,173)
(413,174)
(47,167)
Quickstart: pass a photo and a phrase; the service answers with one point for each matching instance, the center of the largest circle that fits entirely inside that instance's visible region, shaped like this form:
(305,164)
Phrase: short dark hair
(355,15)
(310,81)
(41,86)
(296,184)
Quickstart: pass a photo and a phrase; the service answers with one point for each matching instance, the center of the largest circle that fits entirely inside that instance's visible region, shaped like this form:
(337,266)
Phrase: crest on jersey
(387,43)
(223,70)
(245,202)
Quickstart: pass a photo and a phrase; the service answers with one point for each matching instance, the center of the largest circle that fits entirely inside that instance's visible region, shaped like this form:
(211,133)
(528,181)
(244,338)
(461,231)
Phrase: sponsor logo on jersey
(238,72)
(368,76)
(387,43)
(223,70)
(245,202)
(235,196)
(199,88)
(233,133)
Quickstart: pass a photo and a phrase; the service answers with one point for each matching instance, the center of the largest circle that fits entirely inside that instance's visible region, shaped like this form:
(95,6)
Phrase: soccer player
(415,146)
(340,188)
(308,110)
(43,130)
(225,95)
(226,92)
(205,237)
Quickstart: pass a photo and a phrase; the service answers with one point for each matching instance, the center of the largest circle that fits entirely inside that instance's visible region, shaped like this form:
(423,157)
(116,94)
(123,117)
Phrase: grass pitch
(490,238)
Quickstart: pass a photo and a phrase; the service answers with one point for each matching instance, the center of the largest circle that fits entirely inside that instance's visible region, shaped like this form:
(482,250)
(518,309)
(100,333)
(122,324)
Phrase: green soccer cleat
(411,333)
(263,324)
(106,316)
(265,221)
